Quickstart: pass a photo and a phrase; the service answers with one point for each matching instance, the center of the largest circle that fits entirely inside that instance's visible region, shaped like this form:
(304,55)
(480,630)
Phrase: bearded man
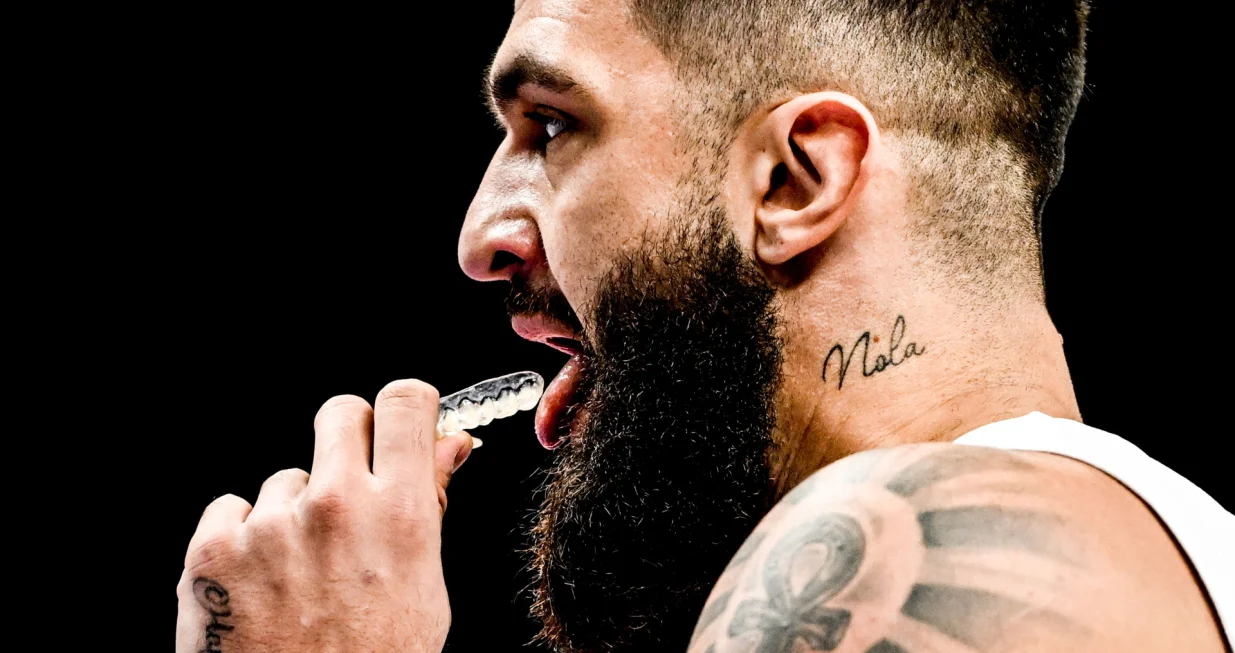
(814,400)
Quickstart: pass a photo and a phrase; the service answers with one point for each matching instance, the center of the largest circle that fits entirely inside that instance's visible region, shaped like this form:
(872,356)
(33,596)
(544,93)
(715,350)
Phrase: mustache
(525,300)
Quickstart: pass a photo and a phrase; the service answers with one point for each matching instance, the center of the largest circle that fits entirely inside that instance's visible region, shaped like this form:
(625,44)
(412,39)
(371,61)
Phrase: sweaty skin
(912,548)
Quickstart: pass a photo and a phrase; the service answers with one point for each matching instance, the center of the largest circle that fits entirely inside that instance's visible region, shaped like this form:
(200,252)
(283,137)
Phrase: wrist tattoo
(895,356)
(211,596)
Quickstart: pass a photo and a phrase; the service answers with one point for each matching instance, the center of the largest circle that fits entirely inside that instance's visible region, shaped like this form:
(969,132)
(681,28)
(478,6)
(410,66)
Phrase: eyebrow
(502,85)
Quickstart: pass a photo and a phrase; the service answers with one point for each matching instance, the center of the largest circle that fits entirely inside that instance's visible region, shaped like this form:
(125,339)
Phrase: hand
(347,558)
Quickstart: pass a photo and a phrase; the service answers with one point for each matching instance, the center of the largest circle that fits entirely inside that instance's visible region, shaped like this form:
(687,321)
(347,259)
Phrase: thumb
(449,454)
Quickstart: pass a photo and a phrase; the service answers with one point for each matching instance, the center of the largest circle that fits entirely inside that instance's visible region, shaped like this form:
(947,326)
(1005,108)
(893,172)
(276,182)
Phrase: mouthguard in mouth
(487,401)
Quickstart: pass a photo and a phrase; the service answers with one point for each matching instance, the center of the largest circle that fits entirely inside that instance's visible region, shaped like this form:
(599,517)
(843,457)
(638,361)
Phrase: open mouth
(568,346)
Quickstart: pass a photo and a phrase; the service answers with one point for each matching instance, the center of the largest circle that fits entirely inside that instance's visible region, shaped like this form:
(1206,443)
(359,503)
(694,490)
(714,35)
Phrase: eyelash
(549,123)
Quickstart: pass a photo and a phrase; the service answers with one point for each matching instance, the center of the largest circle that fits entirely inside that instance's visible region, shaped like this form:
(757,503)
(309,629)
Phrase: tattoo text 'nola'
(895,356)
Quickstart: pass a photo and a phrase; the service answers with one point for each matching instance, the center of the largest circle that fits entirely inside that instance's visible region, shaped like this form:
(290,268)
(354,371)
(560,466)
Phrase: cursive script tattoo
(895,356)
(211,595)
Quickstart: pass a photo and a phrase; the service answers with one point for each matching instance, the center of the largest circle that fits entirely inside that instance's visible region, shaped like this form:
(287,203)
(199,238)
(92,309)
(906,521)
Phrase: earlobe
(811,171)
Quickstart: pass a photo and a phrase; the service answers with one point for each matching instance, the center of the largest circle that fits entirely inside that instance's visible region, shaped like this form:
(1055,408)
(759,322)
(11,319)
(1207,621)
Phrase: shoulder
(955,548)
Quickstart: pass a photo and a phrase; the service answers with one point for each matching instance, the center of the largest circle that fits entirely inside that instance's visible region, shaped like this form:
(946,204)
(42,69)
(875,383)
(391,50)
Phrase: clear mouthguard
(487,401)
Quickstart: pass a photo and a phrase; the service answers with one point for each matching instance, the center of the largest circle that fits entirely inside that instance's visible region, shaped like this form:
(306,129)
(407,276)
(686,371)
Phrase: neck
(915,377)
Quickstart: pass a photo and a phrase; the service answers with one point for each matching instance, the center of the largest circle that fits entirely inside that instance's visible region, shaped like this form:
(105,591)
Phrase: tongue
(554,403)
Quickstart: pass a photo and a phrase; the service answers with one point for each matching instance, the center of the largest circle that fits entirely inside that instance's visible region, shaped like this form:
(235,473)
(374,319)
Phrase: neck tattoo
(214,599)
(895,356)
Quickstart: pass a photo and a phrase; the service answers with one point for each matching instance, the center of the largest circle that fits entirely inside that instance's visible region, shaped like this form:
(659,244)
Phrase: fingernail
(477,442)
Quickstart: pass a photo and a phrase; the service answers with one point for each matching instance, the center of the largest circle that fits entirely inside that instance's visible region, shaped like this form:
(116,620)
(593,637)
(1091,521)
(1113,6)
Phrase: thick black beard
(668,473)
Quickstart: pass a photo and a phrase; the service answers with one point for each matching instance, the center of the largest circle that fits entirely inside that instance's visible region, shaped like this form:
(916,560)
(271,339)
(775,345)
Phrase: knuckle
(212,551)
(287,476)
(344,404)
(325,505)
(228,504)
(409,393)
(270,530)
(228,501)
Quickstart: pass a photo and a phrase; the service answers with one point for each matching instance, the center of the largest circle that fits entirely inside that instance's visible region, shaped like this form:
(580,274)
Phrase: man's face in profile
(610,222)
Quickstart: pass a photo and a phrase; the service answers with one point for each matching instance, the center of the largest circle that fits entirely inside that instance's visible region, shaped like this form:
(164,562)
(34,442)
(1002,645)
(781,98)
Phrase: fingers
(222,518)
(280,489)
(405,429)
(224,512)
(343,439)
(449,455)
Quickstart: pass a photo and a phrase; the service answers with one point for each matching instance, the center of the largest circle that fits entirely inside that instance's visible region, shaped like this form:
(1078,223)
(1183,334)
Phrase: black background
(305,176)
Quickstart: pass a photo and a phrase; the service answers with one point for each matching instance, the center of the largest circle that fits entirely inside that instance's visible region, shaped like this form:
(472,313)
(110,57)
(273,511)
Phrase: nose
(500,237)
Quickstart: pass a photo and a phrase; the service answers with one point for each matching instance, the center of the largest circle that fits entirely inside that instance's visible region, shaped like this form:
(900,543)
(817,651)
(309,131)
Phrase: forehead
(593,40)
(597,18)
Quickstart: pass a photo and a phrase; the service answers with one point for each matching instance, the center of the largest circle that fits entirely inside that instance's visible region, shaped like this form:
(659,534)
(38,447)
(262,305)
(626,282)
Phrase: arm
(952,549)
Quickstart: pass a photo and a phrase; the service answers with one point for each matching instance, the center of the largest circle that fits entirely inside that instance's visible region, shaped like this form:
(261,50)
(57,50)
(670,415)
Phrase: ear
(809,172)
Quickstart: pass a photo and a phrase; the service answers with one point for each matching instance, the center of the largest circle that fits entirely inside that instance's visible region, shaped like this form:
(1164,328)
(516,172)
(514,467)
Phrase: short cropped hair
(977,94)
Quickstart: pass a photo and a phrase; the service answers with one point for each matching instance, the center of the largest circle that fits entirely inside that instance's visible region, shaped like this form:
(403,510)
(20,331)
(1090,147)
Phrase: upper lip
(548,331)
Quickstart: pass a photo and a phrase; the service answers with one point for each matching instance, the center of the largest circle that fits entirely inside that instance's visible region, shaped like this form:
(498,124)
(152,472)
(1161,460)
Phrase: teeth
(507,404)
(469,415)
(528,398)
(488,410)
(489,400)
(449,423)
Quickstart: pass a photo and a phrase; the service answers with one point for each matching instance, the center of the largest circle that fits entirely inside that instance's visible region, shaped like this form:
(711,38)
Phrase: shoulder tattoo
(902,552)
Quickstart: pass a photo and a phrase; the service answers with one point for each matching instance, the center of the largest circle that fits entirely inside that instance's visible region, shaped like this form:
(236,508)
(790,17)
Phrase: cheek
(584,243)
(597,216)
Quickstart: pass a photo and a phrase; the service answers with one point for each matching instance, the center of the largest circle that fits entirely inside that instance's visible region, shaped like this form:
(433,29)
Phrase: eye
(554,127)
(553,122)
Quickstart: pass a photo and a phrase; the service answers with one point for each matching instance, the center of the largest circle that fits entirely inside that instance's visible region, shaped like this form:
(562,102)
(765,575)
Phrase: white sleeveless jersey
(1204,530)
